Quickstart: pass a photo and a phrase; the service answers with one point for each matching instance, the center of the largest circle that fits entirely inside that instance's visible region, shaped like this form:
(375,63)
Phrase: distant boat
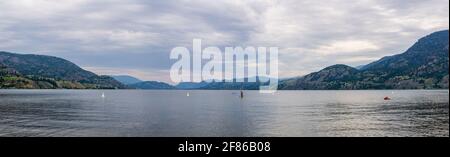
(387,98)
(187,94)
(103,95)
(242,94)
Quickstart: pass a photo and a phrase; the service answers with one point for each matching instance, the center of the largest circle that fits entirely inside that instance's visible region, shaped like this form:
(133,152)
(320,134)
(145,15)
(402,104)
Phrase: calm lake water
(223,113)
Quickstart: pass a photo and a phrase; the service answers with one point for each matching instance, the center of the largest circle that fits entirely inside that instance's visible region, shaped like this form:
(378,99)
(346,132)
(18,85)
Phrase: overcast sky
(135,37)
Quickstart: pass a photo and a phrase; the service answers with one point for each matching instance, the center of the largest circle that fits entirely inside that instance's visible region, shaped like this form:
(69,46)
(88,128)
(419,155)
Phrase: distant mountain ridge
(40,71)
(126,79)
(191,85)
(151,85)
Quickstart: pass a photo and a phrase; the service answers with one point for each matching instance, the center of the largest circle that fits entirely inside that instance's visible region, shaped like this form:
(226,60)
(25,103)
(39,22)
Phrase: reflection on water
(223,113)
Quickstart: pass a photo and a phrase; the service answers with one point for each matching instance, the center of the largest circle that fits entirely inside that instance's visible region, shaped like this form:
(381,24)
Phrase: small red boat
(387,98)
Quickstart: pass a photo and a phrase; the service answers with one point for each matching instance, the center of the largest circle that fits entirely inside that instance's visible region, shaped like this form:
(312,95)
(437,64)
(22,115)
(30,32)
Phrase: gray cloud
(135,37)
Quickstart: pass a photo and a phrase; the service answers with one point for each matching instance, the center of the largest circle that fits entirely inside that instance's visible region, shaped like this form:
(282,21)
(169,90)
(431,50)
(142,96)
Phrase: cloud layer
(135,37)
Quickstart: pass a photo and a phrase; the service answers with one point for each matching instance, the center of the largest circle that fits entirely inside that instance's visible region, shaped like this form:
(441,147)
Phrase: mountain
(359,67)
(423,66)
(39,71)
(125,79)
(333,77)
(431,49)
(235,85)
(9,78)
(232,86)
(191,85)
(151,85)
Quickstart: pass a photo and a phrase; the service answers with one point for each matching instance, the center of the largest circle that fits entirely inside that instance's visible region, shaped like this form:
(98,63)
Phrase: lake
(162,113)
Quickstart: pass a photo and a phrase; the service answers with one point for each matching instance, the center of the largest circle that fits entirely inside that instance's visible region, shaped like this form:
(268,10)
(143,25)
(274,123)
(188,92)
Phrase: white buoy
(187,94)
(103,95)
